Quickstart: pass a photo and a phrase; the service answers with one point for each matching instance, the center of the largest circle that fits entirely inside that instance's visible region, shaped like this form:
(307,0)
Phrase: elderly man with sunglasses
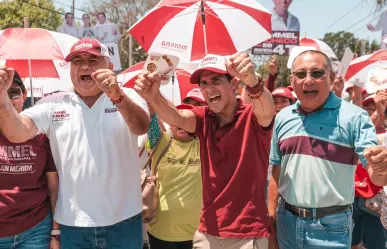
(93,136)
(315,148)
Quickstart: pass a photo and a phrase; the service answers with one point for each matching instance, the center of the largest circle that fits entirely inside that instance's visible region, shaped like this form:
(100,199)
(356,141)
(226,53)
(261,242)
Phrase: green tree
(339,41)
(40,13)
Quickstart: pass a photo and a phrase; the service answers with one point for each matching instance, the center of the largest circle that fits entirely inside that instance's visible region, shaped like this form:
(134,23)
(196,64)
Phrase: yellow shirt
(180,191)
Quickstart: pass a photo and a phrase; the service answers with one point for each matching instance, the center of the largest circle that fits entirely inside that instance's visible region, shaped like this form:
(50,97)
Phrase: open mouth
(310,93)
(86,77)
(215,99)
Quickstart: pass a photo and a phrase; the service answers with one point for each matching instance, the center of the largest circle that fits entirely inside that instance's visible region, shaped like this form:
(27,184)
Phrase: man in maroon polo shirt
(234,139)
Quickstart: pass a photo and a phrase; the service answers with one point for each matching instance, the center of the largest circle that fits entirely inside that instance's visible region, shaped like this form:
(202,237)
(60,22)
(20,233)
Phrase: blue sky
(316,16)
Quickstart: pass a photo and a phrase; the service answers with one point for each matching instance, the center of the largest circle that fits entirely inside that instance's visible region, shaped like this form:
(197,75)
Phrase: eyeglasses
(14,93)
(316,74)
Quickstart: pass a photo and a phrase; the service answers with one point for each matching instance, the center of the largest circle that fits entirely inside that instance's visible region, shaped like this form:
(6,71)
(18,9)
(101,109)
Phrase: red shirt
(234,160)
(24,201)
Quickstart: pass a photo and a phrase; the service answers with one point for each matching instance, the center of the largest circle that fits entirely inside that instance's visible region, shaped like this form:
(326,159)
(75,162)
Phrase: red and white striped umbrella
(360,67)
(175,91)
(37,54)
(319,45)
(190,29)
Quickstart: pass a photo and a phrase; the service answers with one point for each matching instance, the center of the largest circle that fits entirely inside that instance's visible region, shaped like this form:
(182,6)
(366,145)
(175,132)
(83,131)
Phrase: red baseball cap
(283,92)
(195,94)
(184,107)
(210,62)
(89,46)
(369,99)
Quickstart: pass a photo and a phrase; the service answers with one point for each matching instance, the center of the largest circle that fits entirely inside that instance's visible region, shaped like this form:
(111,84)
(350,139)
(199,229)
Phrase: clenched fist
(240,66)
(148,85)
(6,77)
(107,82)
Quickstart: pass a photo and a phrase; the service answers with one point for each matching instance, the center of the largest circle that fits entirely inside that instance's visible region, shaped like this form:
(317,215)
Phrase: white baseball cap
(211,62)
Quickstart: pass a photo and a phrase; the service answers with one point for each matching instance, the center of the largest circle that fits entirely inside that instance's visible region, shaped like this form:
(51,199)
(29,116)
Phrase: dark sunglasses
(316,74)
(14,93)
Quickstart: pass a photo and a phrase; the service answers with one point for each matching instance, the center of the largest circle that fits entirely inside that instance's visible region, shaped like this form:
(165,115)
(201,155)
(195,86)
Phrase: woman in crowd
(178,170)
(28,188)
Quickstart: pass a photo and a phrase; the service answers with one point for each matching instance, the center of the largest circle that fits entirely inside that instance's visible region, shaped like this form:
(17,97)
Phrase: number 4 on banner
(279,50)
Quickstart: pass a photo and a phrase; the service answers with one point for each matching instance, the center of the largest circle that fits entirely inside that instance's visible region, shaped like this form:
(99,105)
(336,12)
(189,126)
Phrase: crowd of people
(239,164)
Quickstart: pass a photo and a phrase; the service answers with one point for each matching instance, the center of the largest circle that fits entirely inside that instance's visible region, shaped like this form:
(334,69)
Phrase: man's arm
(16,128)
(148,86)
(273,197)
(377,179)
(263,107)
(135,117)
(167,112)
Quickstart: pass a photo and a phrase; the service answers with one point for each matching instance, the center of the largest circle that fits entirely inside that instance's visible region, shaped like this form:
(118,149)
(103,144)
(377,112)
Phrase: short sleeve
(200,114)
(50,164)
(364,136)
(41,115)
(275,153)
(136,98)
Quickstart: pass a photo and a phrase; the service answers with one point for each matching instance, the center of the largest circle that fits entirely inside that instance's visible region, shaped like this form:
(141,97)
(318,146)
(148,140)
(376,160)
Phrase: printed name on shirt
(191,161)
(17,168)
(19,152)
(110,110)
(60,116)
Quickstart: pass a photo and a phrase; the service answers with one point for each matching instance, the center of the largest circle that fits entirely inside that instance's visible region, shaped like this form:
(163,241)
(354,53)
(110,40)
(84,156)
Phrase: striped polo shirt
(318,152)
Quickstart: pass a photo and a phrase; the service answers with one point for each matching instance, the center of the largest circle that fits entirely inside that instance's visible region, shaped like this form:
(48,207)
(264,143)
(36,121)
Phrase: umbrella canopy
(176,89)
(38,55)
(360,67)
(190,29)
(319,45)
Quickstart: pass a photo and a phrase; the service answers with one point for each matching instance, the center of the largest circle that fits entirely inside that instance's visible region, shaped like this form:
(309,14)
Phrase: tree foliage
(339,41)
(40,13)
(124,13)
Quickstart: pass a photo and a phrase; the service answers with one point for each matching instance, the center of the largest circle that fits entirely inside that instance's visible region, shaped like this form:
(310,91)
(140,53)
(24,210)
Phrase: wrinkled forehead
(309,60)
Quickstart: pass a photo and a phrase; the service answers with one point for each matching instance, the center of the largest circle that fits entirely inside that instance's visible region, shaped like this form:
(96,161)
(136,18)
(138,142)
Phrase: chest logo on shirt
(110,110)
(17,168)
(17,153)
(60,116)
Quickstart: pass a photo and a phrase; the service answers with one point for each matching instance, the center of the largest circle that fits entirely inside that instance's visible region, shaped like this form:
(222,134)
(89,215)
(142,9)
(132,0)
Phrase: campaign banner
(114,55)
(281,43)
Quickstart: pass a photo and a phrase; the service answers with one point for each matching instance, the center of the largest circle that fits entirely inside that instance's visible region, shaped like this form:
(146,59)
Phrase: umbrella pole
(30,73)
(203,15)
(173,88)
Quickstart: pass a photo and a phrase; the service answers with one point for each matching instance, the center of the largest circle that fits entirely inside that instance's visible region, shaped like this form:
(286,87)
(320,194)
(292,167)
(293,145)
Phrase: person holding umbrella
(28,186)
(234,146)
(93,136)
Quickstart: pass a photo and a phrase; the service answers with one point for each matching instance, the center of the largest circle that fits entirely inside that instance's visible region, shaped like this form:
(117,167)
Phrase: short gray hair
(328,63)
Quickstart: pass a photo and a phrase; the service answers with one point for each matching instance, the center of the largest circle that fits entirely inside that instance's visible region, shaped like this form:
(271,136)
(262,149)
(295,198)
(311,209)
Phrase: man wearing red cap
(93,137)
(234,146)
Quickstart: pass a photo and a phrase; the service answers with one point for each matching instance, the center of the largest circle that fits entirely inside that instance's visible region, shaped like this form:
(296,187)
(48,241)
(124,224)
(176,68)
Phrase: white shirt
(70,30)
(278,24)
(96,156)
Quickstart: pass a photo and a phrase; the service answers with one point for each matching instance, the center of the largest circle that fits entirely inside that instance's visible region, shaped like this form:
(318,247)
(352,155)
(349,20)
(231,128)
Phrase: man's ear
(291,79)
(111,66)
(332,77)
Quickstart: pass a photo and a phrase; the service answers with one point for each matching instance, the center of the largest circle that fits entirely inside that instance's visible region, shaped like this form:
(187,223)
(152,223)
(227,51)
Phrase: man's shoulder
(56,98)
(350,109)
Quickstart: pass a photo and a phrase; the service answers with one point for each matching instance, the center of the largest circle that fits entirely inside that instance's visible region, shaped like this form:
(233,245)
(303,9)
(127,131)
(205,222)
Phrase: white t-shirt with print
(96,156)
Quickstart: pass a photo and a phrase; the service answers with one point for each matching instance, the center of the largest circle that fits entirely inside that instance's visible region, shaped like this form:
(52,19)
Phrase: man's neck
(90,100)
(69,24)
(227,115)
